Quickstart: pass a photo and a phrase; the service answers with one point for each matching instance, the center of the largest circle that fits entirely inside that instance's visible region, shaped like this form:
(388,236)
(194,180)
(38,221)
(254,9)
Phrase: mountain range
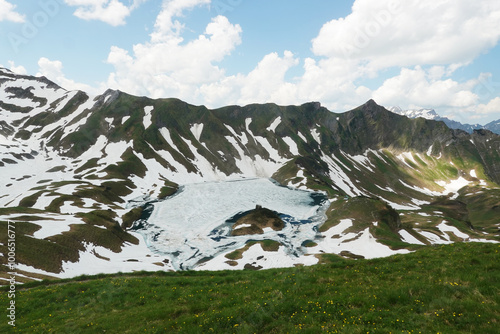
(493,126)
(117,182)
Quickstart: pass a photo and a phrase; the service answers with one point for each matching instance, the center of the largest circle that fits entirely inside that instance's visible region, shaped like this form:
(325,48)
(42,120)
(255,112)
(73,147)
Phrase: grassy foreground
(440,289)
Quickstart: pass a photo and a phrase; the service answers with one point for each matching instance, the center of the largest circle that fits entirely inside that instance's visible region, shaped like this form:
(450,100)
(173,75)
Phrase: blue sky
(440,54)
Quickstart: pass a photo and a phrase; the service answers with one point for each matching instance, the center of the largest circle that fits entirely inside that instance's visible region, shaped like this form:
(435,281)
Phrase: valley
(120,183)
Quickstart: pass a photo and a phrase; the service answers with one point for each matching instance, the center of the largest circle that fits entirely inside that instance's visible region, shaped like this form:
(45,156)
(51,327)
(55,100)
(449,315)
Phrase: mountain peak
(371,107)
(432,115)
(371,103)
(415,113)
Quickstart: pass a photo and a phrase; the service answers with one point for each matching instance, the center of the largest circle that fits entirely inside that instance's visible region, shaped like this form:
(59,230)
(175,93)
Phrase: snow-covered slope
(86,179)
(432,115)
(415,113)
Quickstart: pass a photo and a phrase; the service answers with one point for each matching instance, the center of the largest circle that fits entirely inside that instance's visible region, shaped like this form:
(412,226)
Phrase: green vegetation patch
(57,169)
(267,245)
(442,289)
(168,189)
(130,217)
(30,200)
(256,220)
(364,211)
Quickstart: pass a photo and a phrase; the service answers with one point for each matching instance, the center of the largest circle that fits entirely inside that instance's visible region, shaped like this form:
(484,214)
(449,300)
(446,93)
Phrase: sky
(436,54)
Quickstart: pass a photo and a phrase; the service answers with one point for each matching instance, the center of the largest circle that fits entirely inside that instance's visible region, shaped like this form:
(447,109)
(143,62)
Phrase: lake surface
(195,223)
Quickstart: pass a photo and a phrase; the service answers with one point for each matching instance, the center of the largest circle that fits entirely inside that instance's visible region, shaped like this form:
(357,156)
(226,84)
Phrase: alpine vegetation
(121,183)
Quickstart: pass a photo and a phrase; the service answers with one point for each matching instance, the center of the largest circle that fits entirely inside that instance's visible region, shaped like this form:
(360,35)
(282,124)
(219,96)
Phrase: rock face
(256,221)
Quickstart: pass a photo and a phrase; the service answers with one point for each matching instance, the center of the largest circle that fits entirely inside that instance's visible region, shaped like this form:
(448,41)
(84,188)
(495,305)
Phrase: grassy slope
(447,289)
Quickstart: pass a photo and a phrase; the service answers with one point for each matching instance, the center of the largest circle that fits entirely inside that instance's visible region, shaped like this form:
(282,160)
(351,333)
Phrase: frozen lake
(195,224)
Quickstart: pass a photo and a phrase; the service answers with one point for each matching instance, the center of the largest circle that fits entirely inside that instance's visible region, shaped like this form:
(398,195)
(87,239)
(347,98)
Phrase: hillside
(124,183)
(445,289)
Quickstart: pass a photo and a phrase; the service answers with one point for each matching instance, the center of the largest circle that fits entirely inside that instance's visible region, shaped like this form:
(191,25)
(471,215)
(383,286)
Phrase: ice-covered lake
(195,224)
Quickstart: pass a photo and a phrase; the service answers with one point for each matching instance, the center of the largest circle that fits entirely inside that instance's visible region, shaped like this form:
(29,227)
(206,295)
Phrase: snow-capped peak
(414,113)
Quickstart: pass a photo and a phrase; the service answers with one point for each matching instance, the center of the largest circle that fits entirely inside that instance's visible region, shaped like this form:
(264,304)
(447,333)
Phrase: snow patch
(147,116)
(453,186)
(113,152)
(293,146)
(443,227)
(54,224)
(340,178)
(257,257)
(131,258)
(109,120)
(407,156)
(316,135)
(429,151)
(362,160)
(242,226)
(473,173)
(274,124)
(362,243)
(196,130)
(408,238)
(166,135)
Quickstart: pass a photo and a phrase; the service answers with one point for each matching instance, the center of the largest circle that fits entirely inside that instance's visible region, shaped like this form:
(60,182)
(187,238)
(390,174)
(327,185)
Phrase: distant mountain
(415,113)
(117,182)
(493,126)
(431,114)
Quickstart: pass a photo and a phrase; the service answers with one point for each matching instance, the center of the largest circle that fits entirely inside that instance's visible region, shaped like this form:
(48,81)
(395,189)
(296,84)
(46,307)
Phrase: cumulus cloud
(492,106)
(8,13)
(420,87)
(390,33)
(424,42)
(112,12)
(332,81)
(428,40)
(266,83)
(166,27)
(17,69)
(165,66)
(52,69)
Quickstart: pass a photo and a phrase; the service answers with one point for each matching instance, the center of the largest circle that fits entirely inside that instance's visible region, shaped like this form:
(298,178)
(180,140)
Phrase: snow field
(363,243)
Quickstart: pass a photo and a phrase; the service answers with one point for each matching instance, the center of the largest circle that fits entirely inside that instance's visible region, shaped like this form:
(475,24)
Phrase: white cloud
(8,13)
(53,71)
(166,66)
(112,12)
(419,87)
(165,26)
(17,69)
(390,33)
(266,83)
(332,82)
(426,41)
(492,106)
(461,101)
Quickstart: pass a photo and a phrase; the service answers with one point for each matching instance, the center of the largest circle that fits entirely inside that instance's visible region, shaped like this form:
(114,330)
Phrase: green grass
(130,217)
(168,189)
(444,289)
